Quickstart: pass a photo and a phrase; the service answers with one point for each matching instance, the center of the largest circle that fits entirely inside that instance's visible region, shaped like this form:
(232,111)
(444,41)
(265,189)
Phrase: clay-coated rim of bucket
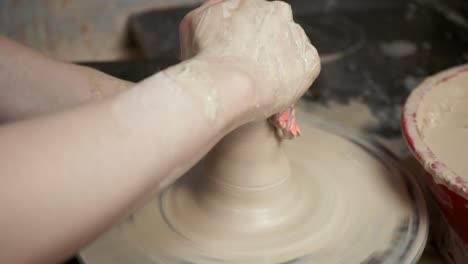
(439,171)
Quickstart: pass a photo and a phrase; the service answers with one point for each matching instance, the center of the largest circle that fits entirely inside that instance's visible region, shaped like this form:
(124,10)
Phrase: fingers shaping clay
(322,198)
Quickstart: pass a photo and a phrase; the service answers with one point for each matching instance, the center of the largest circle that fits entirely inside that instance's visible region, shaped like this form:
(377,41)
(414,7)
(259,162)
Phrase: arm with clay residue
(32,84)
(67,177)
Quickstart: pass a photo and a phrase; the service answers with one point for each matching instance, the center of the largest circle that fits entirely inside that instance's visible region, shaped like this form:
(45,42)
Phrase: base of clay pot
(365,210)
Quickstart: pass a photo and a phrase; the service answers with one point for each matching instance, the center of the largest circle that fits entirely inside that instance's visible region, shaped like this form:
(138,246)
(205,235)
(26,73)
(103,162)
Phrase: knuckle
(190,20)
(303,35)
(283,5)
(211,2)
(284,9)
(299,28)
(184,23)
(187,18)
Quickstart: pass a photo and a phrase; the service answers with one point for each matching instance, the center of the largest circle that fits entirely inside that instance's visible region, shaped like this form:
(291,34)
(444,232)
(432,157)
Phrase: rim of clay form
(441,173)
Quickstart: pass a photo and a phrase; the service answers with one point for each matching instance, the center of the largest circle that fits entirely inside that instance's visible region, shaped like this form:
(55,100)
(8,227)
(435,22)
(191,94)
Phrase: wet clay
(254,199)
(443,123)
(194,77)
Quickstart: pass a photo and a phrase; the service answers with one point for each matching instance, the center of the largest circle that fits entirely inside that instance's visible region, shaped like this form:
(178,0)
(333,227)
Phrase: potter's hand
(261,40)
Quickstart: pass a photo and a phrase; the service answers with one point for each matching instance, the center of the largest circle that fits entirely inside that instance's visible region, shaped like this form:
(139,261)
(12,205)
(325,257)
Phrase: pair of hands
(260,40)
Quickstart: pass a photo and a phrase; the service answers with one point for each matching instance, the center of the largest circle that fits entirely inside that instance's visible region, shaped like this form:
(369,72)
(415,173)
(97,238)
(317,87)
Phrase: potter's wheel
(368,211)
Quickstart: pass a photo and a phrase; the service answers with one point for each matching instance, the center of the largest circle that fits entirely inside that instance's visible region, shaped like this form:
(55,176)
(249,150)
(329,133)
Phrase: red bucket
(449,190)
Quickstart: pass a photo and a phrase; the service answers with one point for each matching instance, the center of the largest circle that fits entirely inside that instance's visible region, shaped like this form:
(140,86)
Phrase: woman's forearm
(69,176)
(32,84)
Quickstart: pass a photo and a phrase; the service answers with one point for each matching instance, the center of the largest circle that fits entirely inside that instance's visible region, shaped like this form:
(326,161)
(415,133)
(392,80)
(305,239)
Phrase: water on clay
(335,199)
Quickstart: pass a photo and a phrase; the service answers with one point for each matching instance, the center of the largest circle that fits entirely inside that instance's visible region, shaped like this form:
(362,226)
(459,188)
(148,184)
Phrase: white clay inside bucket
(442,119)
